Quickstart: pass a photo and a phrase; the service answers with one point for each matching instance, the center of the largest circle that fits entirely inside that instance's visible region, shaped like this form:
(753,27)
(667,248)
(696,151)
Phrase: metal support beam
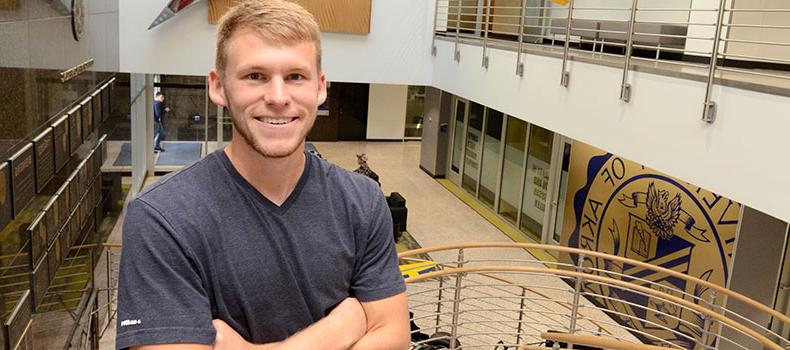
(709,108)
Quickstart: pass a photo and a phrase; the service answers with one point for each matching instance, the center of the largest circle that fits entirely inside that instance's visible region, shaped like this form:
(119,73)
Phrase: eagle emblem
(662,213)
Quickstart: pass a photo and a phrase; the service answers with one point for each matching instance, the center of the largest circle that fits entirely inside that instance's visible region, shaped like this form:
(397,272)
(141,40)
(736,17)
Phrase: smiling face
(272,90)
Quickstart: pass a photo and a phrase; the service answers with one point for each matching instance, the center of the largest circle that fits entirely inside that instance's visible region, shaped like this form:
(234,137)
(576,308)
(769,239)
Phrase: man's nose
(277,92)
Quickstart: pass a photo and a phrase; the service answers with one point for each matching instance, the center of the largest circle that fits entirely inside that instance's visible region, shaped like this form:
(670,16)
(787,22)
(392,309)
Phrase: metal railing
(471,302)
(649,31)
(96,312)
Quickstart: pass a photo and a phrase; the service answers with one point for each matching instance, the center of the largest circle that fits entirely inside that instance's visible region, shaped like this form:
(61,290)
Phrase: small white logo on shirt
(125,323)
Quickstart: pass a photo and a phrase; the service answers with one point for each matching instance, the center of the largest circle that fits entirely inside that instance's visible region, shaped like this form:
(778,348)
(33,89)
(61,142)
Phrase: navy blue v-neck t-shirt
(203,243)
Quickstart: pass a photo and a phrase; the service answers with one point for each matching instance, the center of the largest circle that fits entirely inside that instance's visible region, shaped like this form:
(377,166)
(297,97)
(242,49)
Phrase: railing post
(457,54)
(433,34)
(625,87)
(707,321)
(519,64)
(109,283)
(439,304)
(577,290)
(456,301)
(565,74)
(520,316)
(485,33)
(709,109)
(94,320)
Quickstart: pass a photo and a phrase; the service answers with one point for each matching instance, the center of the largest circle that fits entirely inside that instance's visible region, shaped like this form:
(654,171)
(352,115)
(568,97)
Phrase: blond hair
(277,21)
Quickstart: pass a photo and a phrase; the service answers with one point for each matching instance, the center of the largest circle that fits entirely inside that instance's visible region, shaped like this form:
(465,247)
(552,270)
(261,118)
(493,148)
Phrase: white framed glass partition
(473,146)
(458,139)
(536,180)
(490,163)
(514,168)
(558,189)
(512,171)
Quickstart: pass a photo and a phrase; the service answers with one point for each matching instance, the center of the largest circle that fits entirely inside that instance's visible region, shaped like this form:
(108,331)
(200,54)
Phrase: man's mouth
(275,120)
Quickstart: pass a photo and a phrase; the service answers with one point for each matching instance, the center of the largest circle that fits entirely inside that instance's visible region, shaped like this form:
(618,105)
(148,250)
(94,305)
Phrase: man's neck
(274,178)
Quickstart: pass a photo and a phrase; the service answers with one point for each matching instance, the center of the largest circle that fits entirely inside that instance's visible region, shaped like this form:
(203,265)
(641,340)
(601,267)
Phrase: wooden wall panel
(340,16)
(8,5)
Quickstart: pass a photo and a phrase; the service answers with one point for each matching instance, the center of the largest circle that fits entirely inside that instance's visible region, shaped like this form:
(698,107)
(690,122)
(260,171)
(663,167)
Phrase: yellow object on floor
(416,269)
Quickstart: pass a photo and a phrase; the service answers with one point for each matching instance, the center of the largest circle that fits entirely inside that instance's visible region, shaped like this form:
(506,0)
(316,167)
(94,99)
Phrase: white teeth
(276,121)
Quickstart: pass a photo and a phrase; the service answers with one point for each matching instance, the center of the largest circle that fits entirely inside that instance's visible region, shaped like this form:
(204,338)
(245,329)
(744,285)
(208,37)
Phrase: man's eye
(255,76)
(295,76)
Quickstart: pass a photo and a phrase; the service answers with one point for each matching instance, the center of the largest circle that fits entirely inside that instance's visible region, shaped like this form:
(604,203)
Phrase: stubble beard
(260,149)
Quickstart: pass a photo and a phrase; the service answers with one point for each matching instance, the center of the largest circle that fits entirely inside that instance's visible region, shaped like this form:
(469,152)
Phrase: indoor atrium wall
(661,128)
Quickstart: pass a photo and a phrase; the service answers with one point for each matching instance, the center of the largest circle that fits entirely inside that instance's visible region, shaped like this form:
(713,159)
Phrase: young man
(159,118)
(261,245)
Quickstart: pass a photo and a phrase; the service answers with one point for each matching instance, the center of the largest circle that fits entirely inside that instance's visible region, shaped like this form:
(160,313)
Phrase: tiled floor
(435,215)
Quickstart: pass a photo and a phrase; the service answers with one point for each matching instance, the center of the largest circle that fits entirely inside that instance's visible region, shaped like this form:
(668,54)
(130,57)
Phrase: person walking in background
(364,168)
(159,117)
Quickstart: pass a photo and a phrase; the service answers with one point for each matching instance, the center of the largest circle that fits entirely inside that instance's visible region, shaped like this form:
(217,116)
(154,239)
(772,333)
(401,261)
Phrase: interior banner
(622,208)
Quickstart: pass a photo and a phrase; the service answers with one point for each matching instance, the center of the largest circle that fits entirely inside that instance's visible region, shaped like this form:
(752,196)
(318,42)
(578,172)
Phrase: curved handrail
(599,342)
(708,313)
(729,293)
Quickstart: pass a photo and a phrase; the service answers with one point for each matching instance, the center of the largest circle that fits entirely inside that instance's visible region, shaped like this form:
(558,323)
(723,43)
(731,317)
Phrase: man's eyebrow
(257,67)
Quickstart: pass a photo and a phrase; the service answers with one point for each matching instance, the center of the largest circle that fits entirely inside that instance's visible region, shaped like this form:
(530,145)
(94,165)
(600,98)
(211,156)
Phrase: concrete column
(141,96)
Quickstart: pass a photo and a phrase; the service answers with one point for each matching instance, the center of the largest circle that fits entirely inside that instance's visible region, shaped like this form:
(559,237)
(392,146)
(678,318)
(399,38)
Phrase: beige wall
(386,112)
(760,34)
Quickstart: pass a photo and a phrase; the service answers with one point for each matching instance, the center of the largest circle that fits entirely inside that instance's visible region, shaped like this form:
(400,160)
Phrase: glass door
(536,181)
(473,148)
(558,189)
(491,162)
(514,153)
(457,144)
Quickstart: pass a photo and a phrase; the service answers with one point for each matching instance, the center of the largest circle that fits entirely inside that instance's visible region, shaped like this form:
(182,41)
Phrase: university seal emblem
(622,208)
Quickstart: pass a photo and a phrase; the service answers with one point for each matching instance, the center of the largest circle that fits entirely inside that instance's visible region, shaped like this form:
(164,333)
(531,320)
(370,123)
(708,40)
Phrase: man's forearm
(343,327)
(383,339)
(327,333)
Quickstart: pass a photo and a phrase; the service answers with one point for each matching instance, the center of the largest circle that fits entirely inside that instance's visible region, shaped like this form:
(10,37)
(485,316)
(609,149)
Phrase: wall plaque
(62,202)
(74,195)
(37,234)
(82,178)
(60,133)
(65,233)
(87,117)
(54,258)
(75,129)
(76,224)
(40,281)
(65,245)
(6,208)
(44,158)
(51,220)
(106,101)
(22,178)
(17,326)
(96,98)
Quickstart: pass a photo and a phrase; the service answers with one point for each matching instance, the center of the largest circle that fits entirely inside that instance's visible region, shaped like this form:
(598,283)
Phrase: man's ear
(321,89)
(216,90)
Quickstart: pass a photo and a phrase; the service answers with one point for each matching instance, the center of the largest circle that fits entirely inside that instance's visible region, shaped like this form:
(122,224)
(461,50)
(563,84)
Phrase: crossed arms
(352,325)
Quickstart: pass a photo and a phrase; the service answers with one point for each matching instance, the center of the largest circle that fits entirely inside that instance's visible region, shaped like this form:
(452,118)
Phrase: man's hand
(227,337)
(167,109)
